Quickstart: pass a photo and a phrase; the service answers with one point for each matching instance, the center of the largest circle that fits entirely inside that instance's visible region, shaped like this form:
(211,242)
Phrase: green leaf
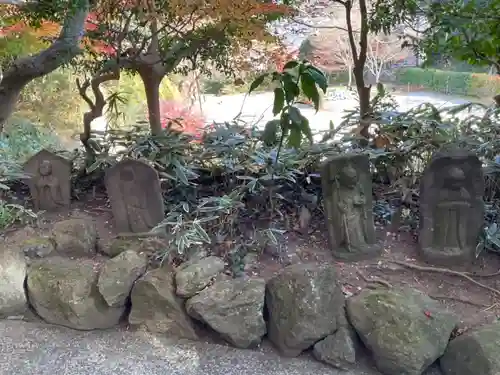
(295,137)
(257,82)
(201,232)
(301,123)
(319,77)
(308,86)
(291,64)
(291,88)
(279,100)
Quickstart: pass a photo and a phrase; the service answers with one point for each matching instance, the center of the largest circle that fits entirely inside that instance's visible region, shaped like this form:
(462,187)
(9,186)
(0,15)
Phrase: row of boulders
(301,308)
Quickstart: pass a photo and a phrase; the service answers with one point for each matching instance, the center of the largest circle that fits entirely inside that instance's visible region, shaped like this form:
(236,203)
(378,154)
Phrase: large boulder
(304,303)
(75,237)
(405,330)
(118,276)
(194,277)
(64,291)
(156,306)
(234,309)
(473,353)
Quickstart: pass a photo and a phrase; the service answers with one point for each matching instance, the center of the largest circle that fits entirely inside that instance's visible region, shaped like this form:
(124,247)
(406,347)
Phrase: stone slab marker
(50,181)
(135,195)
(451,208)
(347,192)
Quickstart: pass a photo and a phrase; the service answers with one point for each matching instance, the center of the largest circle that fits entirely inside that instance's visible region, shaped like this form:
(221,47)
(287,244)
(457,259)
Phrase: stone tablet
(347,193)
(49,182)
(135,195)
(451,208)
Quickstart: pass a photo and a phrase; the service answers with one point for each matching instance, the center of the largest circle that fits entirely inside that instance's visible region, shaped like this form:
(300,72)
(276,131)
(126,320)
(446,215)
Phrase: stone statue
(49,181)
(347,193)
(451,208)
(135,194)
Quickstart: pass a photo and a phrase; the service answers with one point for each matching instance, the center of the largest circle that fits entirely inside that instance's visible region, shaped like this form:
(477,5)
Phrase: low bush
(448,82)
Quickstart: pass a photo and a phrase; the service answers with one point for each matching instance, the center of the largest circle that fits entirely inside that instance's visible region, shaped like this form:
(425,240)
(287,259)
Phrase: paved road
(257,108)
(34,349)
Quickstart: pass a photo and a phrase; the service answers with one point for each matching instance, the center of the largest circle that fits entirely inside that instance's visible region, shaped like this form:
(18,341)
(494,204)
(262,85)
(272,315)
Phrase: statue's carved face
(45,168)
(455,177)
(127,175)
(348,176)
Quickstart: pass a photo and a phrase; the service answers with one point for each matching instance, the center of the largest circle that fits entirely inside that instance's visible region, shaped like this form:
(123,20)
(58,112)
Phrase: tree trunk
(350,76)
(23,70)
(152,87)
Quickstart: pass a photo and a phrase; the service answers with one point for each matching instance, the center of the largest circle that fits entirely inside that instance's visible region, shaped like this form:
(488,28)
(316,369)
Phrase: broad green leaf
(279,100)
(257,82)
(319,77)
(308,86)
(301,122)
(291,64)
(291,88)
(295,137)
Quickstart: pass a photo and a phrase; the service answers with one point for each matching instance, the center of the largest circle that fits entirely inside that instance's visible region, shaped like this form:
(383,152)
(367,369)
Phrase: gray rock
(234,309)
(12,276)
(337,349)
(303,302)
(75,237)
(195,277)
(64,292)
(473,353)
(38,247)
(156,306)
(405,330)
(118,276)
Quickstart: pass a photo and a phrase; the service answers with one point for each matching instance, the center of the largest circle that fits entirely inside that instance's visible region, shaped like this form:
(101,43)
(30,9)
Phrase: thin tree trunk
(152,88)
(23,70)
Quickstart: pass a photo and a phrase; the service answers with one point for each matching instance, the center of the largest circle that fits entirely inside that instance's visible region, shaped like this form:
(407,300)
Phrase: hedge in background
(448,82)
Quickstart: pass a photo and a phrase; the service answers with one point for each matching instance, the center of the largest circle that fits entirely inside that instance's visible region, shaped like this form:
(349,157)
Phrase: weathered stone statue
(451,207)
(347,192)
(134,192)
(50,182)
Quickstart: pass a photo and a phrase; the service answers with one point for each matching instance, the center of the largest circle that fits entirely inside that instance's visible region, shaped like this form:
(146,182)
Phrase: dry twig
(447,272)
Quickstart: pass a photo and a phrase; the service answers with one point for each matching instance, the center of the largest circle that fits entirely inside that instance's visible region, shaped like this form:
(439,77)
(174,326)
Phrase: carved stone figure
(451,207)
(50,181)
(135,194)
(347,192)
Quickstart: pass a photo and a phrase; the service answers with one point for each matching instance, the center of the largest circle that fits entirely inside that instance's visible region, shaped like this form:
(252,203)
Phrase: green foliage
(296,78)
(468,31)
(22,139)
(53,102)
(130,98)
(448,82)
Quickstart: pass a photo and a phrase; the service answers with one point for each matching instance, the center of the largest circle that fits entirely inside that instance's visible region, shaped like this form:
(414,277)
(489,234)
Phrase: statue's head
(348,176)
(455,177)
(126,175)
(45,168)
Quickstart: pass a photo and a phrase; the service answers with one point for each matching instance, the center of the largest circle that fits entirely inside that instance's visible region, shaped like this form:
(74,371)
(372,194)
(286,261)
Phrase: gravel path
(32,348)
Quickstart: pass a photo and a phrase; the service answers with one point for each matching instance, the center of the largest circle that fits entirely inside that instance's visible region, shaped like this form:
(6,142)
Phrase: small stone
(156,307)
(337,349)
(75,237)
(119,274)
(234,309)
(192,279)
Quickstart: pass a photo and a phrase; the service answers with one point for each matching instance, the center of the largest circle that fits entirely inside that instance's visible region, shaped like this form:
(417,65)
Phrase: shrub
(181,118)
(448,82)
(23,138)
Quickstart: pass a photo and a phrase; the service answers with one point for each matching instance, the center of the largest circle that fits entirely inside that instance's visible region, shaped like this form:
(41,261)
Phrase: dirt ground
(472,293)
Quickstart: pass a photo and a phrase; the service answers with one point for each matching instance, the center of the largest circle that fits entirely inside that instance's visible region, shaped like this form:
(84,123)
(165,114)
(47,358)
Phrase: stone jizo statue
(451,208)
(347,192)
